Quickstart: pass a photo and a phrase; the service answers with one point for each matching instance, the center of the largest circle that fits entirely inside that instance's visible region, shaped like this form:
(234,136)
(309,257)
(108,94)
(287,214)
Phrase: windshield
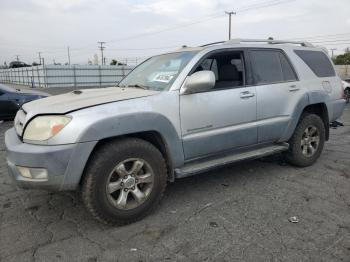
(159,72)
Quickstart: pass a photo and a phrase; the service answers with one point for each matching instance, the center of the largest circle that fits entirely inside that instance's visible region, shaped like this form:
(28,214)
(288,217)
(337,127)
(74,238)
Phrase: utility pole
(229,22)
(332,50)
(39,53)
(17,57)
(68,55)
(101,47)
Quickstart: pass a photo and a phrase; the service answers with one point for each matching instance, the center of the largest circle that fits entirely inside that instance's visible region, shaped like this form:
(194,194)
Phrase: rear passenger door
(278,92)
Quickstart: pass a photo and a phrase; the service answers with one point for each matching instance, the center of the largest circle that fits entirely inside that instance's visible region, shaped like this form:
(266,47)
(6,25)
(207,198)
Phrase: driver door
(223,118)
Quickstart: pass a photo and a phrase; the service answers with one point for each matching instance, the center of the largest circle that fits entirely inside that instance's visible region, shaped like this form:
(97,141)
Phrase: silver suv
(176,115)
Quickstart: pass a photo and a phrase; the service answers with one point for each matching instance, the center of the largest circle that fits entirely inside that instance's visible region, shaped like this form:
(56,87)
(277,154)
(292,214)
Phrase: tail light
(342,90)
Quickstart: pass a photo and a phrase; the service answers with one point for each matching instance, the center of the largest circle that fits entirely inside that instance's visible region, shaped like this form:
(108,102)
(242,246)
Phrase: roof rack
(269,41)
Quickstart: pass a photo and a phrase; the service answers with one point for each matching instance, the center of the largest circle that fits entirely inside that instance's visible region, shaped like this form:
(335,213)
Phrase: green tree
(343,59)
(115,62)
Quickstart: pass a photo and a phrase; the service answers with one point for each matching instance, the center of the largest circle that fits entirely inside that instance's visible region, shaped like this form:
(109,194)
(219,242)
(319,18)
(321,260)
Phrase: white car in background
(346,87)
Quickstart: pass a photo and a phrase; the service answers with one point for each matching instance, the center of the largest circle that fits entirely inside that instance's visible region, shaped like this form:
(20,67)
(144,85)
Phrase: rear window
(317,61)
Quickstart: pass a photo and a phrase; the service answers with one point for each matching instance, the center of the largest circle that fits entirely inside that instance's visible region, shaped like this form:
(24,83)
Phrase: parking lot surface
(237,213)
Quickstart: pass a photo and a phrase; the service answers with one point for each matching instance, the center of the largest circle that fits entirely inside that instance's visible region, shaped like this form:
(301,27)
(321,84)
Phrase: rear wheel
(307,142)
(124,181)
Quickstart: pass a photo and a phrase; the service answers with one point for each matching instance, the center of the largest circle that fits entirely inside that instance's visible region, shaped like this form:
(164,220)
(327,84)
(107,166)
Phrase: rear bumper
(64,163)
(335,109)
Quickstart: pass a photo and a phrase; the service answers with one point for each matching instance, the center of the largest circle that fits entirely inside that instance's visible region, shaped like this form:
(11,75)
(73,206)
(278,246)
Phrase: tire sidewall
(295,155)
(113,156)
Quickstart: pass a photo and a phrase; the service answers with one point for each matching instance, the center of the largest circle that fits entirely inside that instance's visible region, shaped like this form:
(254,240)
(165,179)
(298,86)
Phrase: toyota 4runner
(176,115)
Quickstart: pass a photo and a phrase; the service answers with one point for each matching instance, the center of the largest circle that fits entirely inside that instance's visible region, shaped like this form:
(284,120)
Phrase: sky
(137,29)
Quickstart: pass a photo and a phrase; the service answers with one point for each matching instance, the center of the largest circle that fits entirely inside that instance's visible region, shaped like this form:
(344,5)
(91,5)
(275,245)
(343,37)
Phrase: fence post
(74,76)
(45,78)
(37,69)
(23,68)
(99,75)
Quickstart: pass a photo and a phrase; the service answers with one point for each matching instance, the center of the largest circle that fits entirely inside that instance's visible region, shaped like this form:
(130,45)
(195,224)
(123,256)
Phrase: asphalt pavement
(237,213)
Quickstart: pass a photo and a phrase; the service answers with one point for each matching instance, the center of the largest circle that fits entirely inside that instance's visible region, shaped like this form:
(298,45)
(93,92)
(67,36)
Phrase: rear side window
(317,61)
(271,66)
(288,72)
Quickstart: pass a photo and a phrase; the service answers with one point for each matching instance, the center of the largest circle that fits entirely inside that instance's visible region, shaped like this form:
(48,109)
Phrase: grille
(20,121)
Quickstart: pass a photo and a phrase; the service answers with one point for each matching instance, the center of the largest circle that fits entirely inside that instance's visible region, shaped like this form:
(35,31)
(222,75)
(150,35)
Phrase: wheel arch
(321,110)
(151,136)
(313,102)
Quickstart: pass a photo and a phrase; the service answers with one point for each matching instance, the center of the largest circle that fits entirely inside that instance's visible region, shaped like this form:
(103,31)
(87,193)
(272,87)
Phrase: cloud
(60,4)
(30,26)
(166,7)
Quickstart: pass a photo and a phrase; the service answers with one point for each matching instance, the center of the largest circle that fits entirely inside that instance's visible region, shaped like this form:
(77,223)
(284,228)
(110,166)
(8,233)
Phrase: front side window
(317,61)
(228,68)
(159,72)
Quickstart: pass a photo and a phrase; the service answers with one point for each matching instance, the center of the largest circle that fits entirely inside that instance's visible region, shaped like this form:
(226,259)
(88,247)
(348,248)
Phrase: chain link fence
(65,75)
(343,71)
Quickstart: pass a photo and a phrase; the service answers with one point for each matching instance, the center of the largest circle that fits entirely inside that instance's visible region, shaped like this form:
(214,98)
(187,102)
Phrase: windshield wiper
(138,86)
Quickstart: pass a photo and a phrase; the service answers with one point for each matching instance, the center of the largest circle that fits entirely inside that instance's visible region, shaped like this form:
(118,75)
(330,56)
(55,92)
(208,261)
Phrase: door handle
(293,88)
(246,94)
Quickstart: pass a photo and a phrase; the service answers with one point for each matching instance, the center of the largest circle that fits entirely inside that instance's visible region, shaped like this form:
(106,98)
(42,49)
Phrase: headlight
(42,128)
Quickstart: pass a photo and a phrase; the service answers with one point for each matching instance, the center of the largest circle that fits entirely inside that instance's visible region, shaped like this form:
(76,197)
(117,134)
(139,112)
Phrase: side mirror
(199,82)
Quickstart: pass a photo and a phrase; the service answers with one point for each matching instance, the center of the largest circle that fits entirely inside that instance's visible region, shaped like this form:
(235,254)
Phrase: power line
(167,29)
(211,17)
(331,41)
(264,5)
(320,36)
(257,5)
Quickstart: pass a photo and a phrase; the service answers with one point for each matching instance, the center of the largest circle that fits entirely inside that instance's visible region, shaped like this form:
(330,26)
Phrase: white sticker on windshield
(164,77)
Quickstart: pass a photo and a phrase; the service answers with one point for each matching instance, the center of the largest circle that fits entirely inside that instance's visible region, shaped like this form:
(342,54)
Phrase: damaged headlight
(42,128)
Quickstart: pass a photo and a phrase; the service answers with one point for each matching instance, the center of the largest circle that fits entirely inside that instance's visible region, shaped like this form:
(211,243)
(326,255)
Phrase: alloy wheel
(130,183)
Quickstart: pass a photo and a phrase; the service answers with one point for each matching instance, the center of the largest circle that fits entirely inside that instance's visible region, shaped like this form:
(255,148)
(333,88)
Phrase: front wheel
(306,144)
(124,181)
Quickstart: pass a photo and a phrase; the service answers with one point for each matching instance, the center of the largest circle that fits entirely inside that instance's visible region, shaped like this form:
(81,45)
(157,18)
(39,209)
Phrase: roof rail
(270,41)
(214,43)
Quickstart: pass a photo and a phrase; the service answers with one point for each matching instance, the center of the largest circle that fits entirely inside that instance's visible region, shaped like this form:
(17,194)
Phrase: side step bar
(196,167)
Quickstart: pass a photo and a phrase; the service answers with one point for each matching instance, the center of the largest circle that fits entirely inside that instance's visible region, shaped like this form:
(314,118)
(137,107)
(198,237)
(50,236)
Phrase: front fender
(135,123)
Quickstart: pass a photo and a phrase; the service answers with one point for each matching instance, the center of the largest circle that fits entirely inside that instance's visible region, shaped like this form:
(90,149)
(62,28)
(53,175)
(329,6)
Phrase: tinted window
(288,72)
(317,61)
(267,66)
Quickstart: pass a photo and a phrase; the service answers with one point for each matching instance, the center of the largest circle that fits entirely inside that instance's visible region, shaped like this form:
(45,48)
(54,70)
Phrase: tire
(296,154)
(113,179)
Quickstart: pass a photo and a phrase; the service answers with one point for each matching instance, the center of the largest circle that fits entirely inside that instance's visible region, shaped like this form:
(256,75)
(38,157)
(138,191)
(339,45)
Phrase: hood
(61,104)
(31,92)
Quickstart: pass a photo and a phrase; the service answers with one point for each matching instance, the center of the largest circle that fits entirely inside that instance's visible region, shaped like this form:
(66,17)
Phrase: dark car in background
(12,99)
(17,64)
